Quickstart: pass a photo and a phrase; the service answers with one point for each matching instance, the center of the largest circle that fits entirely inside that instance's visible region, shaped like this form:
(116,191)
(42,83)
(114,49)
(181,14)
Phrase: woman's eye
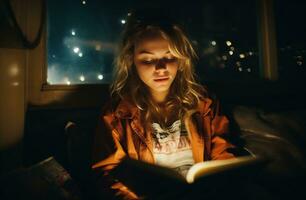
(155,61)
(170,60)
(148,62)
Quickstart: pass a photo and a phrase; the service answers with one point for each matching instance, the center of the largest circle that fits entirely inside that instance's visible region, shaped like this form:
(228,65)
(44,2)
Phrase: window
(291,39)
(81,40)
(82,37)
(225,33)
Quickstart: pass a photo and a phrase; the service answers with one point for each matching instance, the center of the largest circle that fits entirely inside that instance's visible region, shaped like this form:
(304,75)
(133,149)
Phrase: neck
(159,97)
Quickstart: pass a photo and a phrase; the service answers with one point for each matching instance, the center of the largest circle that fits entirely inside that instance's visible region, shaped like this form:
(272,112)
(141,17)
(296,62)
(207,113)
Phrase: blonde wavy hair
(185,92)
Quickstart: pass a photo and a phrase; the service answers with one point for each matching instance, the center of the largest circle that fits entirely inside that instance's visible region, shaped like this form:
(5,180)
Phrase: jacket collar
(127,110)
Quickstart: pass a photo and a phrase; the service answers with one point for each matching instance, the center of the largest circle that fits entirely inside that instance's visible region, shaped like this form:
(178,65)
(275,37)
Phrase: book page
(215,166)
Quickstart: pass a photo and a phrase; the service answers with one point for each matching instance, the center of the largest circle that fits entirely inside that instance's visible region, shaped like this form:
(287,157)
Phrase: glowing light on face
(123,21)
(83,2)
(73,32)
(249,69)
(82,78)
(214,43)
(240,69)
(232,48)
(68,82)
(155,65)
(100,77)
(231,52)
(224,57)
(76,49)
(80,54)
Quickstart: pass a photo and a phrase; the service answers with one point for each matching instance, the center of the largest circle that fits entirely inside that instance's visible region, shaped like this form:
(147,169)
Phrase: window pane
(82,37)
(226,35)
(291,39)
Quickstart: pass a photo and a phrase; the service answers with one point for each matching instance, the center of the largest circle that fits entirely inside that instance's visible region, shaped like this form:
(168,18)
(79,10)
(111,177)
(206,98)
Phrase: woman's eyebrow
(148,52)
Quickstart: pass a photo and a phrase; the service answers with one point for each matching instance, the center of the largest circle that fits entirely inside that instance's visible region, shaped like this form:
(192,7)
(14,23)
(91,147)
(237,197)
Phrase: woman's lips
(161,79)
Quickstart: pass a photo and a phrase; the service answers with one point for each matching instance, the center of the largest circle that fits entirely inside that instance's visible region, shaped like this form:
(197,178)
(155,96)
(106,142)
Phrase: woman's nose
(161,64)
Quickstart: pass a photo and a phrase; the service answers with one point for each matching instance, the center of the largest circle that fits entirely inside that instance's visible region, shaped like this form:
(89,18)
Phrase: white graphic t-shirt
(171,147)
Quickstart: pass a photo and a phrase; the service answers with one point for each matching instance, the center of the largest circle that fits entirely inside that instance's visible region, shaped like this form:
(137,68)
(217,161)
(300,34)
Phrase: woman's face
(155,65)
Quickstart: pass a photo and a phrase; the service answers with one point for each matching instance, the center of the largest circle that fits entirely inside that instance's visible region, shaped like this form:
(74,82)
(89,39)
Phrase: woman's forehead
(152,45)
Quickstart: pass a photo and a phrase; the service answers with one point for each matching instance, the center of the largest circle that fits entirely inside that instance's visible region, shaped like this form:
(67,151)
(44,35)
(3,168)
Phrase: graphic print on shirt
(171,147)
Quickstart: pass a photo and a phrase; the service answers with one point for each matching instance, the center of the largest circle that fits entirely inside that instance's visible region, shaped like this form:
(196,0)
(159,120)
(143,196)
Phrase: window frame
(41,94)
(267,40)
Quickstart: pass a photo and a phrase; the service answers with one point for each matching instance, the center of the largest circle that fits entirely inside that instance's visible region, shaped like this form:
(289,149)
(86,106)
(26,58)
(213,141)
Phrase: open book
(47,180)
(57,178)
(145,178)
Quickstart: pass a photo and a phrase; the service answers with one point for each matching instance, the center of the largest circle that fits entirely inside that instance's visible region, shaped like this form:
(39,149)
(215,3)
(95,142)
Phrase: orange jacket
(120,134)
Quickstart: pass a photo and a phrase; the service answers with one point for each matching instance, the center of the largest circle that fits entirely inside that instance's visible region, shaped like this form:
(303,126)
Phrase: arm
(107,153)
(219,128)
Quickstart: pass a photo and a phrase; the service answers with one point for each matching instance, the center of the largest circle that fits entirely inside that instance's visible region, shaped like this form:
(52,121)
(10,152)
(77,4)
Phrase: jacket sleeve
(220,129)
(107,153)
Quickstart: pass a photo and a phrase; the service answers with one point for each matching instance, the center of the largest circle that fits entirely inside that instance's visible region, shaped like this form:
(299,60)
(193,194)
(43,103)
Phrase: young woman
(162,116)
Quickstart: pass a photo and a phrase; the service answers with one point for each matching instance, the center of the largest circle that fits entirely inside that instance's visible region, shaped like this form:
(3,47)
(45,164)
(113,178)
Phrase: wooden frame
(267,40)
(42,94)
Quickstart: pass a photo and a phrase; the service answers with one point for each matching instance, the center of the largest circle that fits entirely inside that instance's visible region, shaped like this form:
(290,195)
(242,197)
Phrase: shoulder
(112,116)
(124,109)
